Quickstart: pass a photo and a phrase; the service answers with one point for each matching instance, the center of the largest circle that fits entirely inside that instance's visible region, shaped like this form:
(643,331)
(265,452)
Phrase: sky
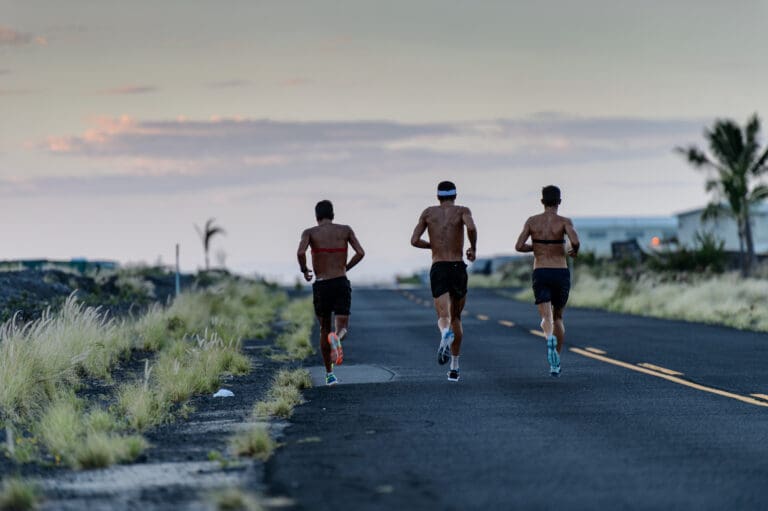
(124,124)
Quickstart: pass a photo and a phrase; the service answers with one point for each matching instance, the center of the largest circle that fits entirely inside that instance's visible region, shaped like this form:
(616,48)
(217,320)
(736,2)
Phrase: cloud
(173,156)
(130,90)
(16,92)
(12,37)
(296,82)
(229,84)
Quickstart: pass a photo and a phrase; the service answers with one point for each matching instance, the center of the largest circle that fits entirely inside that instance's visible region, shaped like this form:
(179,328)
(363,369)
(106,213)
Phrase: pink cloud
(296,82)
(103,130)
(229,84)
(130,89)
(12,37)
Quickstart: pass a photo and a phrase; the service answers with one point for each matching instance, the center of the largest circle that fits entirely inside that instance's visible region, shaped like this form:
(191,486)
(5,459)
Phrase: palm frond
(751,132)
(726,143)
(712,184)
(758,194)
(760,164)
(714,211)
(695,156)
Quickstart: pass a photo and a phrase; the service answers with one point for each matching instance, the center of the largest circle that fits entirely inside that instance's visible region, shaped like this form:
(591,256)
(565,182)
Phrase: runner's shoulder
(428,211)
(464,209)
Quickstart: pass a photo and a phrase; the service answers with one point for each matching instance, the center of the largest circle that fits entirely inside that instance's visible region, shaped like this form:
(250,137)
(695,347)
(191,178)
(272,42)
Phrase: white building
(597,233)
(724,228)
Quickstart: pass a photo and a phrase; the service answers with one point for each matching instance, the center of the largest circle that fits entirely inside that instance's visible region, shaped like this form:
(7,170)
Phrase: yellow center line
(668,377)
(504,322)
(539,333)
(595,350)
(482,317)
(761,396)
(660,369)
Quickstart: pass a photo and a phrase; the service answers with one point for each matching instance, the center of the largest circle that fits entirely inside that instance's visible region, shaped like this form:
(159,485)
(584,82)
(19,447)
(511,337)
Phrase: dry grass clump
(253,442)
(298,378)
(38,357)
(284,394)
(194,366)
(282,397)
(19,495)
(722,299)
(86,439)
(234,310)
(295,340)
(234,499)
(183,369)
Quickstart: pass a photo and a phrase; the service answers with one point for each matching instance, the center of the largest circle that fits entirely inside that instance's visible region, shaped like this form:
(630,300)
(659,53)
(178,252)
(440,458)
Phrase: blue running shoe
(444,351)
(330,379)
(553,357)
(554,371)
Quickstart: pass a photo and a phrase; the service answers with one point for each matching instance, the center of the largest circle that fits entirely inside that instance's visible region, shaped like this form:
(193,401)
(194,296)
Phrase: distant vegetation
(691,284)
(206,235)
(734,164)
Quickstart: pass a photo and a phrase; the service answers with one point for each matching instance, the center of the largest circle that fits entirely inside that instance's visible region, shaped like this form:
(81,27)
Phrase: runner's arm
(416,240)
(469,222)
(357,247)
(573,237)
(521,245)
(301,255)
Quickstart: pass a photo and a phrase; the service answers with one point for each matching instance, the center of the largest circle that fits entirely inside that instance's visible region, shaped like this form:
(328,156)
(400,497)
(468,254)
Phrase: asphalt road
(688,430)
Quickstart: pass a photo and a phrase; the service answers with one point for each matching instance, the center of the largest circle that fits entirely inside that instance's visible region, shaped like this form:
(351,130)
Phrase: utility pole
(178,279)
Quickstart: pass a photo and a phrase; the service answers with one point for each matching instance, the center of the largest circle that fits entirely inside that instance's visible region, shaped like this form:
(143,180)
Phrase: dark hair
(323,210)
(446,186)
(550,195)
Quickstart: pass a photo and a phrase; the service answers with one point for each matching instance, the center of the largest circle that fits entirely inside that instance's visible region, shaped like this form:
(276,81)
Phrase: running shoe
(554,371)
(444,351)
(330,379)
(453,375)
(337,354)
(553,357)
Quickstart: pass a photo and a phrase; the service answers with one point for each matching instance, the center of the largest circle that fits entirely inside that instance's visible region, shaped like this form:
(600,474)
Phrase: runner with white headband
(448,276)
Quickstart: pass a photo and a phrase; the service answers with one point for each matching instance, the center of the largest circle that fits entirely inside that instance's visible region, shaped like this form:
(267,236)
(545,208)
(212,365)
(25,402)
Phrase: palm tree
(734,162)
(206,234)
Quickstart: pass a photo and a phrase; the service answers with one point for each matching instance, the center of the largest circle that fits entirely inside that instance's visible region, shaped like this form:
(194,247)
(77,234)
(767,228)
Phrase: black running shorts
(551,285)
(332,296)
(449,277)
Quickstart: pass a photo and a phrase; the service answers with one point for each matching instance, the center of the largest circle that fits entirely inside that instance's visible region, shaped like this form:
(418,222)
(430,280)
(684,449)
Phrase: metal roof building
(690,222)
(597,233)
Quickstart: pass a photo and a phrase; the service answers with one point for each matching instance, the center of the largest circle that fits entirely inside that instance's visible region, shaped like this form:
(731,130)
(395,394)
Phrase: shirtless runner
(551,278)
(331,291)
(448,276)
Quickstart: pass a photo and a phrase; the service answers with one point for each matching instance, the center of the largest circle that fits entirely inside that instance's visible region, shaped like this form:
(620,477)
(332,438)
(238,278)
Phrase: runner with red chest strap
(332,294)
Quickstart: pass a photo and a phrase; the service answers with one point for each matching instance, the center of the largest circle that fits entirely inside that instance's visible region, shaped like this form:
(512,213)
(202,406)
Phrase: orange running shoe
(337,354)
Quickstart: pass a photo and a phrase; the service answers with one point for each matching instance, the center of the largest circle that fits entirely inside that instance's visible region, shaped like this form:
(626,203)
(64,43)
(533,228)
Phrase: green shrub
(707,255)
(253,442)
(233,499)
(18,495)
